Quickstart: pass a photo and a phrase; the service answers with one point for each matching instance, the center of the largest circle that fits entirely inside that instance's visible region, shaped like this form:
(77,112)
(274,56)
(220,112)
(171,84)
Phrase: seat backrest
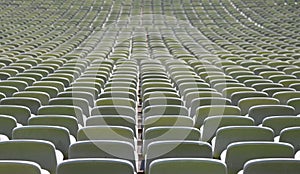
(119,133)
(78,94)
(258,113)
(56,84)
(72,101)
(207,101)
(231,134)
(246,103)
(272,166)
(176,149)
(114,110)
(74,111)
(285,96)
(112,120)
(289,135)
(159,94)
(39,151)
(163,133)
(164,110)
(43,97)
(162,101)
(237,96)
(167,120)
(212,124)
(8,91)
(18,166)
(220,86)
(51,91)
(117,101)
(272,91)
(59,136)
(187,165)
(7,124)
(31,103)
(20,113)
(20,85)
(239,153)
(262,86)
(278,123)
(67,121)
(295,103)
(203,112)
(103,149)
(227,92)
(93,91)
(93,166)
(193,95)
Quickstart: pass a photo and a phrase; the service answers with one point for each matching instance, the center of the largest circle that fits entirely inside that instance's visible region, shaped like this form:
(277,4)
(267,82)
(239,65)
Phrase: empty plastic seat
(164,110)
(250,83)
(278,78)
(272,91)
(285,96)
(163,133)
(278,123)
(258,113)
(104,149)
(220,86)
(51,91)
(7,124)
(66,121)
(237,96)
(112,120)
(227,92)
(20,85)
(167,120)
(203,112)
(207,101)
(162,101)
(199,94)
(19,166)
(230,134)
(72,101)
(114,110)
(93,166)
(116,101)
(77,94)
(59,136)
(182,87)
(187,165)
(176,149)
(237,154)
(159,94)
(91,85)
(118,133)
(212,124)
(58,78)
(43,97)
(56,84)
(272,166)
(27,80)
(289,135)
(93,91)
(246,103)
(74,111)
(39,151)
(32,103)
(8,91)
(118,94)
(294,102)
(20,113)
